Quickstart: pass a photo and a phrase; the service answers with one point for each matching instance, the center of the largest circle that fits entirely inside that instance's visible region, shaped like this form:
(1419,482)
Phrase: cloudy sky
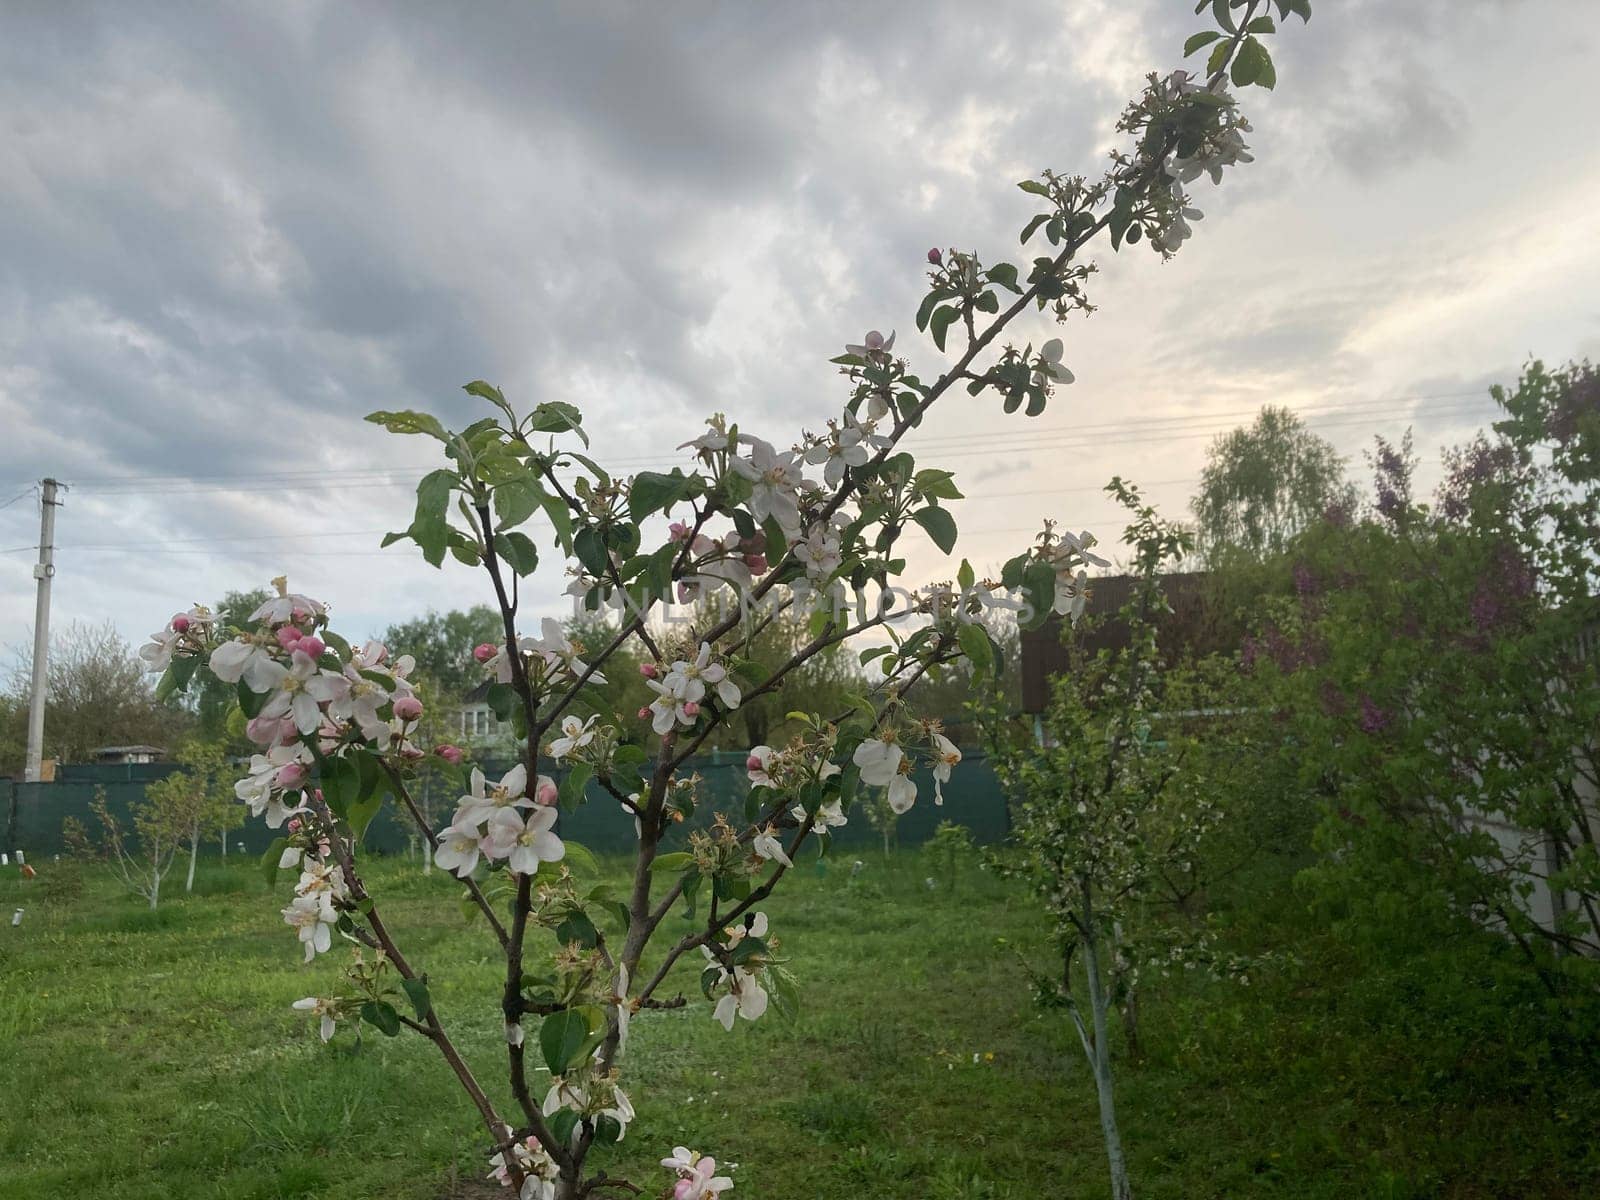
(229,231)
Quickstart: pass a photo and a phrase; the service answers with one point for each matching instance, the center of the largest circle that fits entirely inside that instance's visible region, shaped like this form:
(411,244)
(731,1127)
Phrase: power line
(352,478)
(988,445)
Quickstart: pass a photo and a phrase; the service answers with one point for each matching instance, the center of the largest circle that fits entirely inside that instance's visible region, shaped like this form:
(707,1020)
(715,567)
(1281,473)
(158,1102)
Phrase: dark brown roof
(1194,627)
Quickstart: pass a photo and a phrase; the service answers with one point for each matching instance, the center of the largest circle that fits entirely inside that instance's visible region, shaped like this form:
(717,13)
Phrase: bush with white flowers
(810,529)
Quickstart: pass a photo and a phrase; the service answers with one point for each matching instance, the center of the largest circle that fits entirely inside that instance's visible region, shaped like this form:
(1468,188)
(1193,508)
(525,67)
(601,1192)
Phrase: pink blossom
(288,637)
(644,714)
(648,670)
(483,652)
(754,763)
(691,709)
(678,531)
(311,647)
(290,775)
(757,563)
(407,708)
(935,257)
(451,754)
(180,623)
(547,794)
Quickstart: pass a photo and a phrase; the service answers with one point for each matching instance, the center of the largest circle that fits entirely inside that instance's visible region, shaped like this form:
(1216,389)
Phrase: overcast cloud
(230,231)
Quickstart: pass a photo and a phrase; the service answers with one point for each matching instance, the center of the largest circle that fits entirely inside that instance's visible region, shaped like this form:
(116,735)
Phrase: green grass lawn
(154,1054)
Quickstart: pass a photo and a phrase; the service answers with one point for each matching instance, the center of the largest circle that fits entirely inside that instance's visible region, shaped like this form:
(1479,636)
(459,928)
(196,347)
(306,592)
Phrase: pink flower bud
(317,792)
(263,731)
(755,544)
(299,616)
(408,708)
(288,636)
(484,651)
(691,709)
(753,763)
(547,794)
(644,714)
(311,647)
(648,670)
(935,257)
(290,775)
(678,531)
(180,623)
(757,563)
(451,754)
(294,824)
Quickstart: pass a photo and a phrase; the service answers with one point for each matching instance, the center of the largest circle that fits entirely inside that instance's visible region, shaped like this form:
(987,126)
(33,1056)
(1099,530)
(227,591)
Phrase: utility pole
(44,571)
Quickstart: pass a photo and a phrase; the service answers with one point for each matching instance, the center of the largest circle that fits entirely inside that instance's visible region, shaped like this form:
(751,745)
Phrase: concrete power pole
(43,571)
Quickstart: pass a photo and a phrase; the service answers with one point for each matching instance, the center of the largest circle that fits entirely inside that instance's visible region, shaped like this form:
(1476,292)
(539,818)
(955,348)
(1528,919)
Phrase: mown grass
(155,1055)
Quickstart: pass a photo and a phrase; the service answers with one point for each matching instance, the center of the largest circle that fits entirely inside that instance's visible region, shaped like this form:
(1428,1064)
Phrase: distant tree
(197,801)
(442,645)
(96,694)
(142,863)
(1264,484)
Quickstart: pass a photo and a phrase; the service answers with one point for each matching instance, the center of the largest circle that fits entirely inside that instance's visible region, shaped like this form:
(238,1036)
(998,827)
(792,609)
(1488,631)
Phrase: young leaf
(941,321)
(410,422)
(941,526)
(417,992)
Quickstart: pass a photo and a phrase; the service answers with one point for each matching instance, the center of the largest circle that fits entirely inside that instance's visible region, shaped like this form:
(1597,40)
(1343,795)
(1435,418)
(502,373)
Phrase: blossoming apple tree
(812,529)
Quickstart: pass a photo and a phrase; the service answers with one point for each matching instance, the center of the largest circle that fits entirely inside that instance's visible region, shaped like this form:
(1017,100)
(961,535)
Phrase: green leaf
(579,858)
(975,645)
(1250,63)
(1004,274)
(417,992)
(269,860)
(940,322)
(567,1038)
(1199,40)
(553,416)
(925,310)
(1034,188)
(965,576)
(577,927)
(382,1014)
(516,500)
(429,527)
(410,422)
(1032,226)
(563,1123)
(941,526)
(571,790)
(518,550)
(560,514)
(1039,585)
(675,861)
(590,548)
(652,491)
(361,813)
(1262,24)
(1218,59)
(487,391)
(938,484)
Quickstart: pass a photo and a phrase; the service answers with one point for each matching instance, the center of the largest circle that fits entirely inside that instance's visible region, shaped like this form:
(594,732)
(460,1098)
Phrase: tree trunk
(1130,1023)
(1100,1063)
(194,853)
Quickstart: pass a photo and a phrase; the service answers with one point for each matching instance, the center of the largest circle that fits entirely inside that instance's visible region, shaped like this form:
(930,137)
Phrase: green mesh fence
(35,812)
